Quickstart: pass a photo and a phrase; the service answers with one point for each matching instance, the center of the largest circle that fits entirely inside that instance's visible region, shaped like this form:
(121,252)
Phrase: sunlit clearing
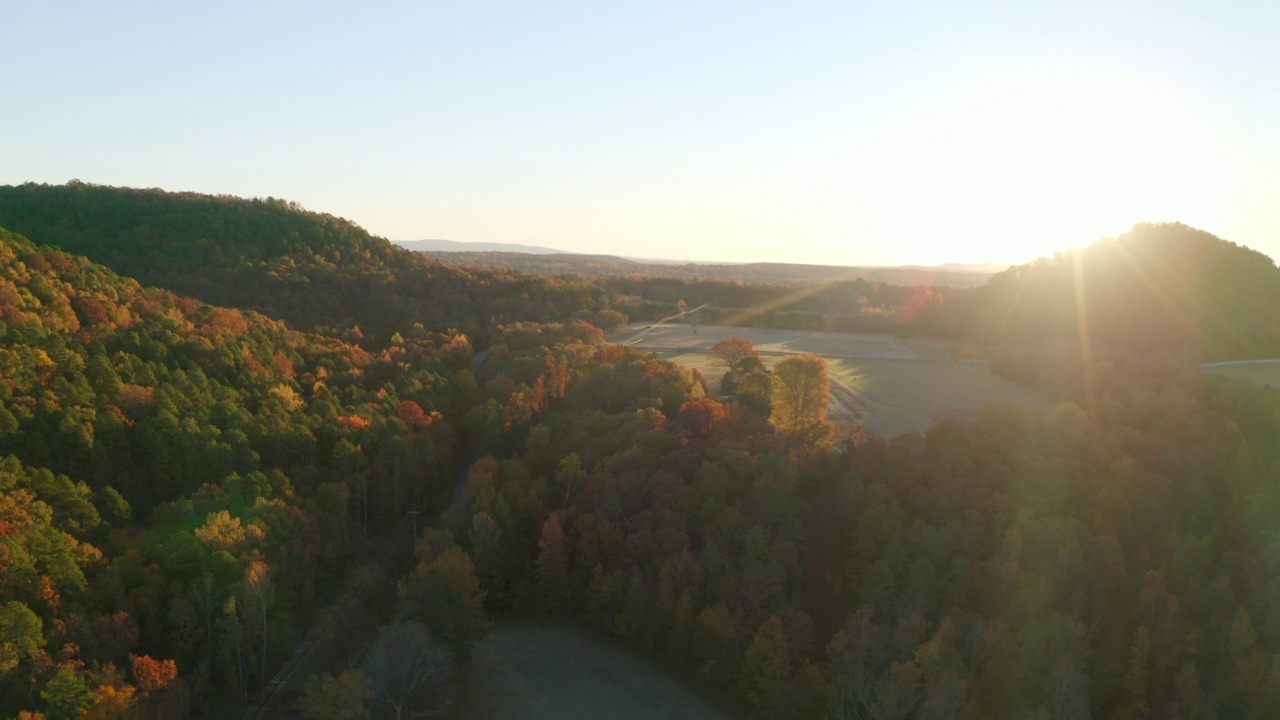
(1032,164)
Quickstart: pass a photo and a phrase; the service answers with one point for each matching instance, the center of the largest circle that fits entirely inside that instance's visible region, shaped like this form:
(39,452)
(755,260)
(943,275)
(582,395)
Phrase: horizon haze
(921,133)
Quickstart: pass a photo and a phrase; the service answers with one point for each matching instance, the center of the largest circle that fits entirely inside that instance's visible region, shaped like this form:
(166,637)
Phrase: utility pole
(414,515)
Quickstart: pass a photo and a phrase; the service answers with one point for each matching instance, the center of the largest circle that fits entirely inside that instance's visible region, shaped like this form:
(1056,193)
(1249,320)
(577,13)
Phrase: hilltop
(314,270)
(1166,287)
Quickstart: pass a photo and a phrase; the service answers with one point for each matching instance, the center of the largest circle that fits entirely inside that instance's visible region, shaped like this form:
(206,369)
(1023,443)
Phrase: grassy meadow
(887,384)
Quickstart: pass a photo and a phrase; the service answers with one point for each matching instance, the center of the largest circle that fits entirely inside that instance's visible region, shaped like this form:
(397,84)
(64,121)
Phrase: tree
(767,669)
(410,672)
(67,695)
(258,596)
(754,389)
(152,675)
(446,595)
(553,566)
(732,350)
(1133,702)
(337,698)
(801,393)
(153,678)
(701,416)
(412,415)
(570,476)
(111,702)
(21,635)
(610,320)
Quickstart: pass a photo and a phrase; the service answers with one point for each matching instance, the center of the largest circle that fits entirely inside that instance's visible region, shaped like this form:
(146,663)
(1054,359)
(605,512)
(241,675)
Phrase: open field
(537,670)
(1265,372)
(888,385)
(862,346)
(893,397)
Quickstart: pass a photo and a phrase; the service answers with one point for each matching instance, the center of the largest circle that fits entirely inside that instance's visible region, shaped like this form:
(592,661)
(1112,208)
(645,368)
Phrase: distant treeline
(853,306)
(751,273)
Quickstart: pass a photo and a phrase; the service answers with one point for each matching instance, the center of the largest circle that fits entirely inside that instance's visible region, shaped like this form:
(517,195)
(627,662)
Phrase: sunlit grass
(887,396)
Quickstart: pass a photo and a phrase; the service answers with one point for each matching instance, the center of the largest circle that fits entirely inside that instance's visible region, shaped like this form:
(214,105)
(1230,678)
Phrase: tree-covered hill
(163,460)
(316,271)
(1163,287)
(182,485)
(183,482)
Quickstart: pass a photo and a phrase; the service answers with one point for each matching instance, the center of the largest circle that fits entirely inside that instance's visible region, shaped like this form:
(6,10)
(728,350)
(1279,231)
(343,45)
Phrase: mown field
(887,384)
(558,670)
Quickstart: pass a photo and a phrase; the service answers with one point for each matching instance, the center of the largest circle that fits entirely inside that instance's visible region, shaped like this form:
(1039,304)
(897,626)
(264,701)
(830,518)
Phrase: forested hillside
(183,485)
(181,482)
(1110,559)
(171,488)
(315,271)
(1164,288)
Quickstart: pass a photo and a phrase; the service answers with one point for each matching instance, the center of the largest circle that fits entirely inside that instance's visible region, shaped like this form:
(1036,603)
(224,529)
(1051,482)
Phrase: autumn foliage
(196,482)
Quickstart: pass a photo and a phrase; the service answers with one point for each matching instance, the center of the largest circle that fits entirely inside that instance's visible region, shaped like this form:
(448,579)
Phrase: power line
(324,627)
(643,333)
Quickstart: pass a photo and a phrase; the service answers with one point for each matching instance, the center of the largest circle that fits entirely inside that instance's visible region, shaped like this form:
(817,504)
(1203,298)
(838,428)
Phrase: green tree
(21,635)
(66,695)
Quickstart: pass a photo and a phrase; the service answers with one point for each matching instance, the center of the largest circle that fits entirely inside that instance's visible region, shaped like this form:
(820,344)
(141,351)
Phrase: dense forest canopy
(315,271)
(181,481)
(186,487)
(1155,288)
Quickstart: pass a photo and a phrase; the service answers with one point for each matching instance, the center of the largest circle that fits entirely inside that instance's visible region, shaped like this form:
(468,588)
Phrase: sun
(1029,164)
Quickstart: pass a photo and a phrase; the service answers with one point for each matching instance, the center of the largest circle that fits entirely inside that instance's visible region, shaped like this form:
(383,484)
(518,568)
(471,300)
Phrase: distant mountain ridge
(456,246)
(478,252)
(765,273)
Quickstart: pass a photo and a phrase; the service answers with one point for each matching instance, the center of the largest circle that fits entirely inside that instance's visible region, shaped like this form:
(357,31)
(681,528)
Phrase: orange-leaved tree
(732,350)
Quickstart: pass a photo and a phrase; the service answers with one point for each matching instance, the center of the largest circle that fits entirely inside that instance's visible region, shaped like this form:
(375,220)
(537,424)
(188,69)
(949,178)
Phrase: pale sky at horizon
(837,133)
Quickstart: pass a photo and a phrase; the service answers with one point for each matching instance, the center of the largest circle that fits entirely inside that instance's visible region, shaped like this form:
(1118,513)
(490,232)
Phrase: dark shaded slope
(316,271)
(1163,287)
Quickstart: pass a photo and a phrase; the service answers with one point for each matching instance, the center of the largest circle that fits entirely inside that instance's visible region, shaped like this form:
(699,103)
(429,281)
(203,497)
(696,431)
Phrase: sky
(816,132)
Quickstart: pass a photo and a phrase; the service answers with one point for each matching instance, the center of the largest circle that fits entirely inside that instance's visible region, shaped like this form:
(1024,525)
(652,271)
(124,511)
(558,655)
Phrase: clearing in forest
(888,385)
(556,669)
